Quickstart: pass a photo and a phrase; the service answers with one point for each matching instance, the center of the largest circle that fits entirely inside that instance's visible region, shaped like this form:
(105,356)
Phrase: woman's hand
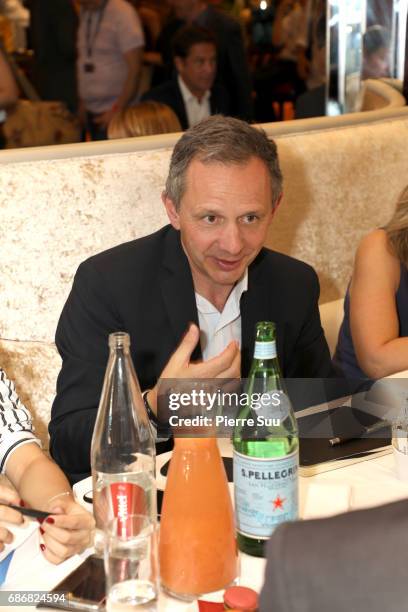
(8,496)
(67,531)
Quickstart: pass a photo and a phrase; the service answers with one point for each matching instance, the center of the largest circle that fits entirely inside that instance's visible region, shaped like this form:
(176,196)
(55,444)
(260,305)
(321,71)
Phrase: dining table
(360,485)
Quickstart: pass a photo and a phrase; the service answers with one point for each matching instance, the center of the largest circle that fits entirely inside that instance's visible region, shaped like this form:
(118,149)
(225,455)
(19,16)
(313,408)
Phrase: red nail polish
(50,520)
(22,504)
(42,546)
(40,520)
(42,531)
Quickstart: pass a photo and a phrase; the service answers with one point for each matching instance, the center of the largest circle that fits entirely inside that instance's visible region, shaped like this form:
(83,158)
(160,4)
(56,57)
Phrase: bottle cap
(241,598)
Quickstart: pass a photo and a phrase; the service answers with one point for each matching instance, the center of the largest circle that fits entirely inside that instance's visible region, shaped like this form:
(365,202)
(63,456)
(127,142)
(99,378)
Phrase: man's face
(199,67)
(223,220)
(90,5)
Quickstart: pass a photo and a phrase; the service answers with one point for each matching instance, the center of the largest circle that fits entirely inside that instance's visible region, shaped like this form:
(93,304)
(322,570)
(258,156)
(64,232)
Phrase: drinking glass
(131,564)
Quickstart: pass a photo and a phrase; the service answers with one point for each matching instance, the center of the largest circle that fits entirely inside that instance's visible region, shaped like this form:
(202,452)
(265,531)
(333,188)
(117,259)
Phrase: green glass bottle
(266,450)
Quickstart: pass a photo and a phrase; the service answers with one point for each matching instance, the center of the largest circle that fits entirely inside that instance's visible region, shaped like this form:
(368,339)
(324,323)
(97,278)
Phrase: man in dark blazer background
(353,562)
(192,93)
(232,65)
(208,268)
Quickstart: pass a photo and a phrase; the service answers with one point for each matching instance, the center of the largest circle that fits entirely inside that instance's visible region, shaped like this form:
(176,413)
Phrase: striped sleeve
(16,424)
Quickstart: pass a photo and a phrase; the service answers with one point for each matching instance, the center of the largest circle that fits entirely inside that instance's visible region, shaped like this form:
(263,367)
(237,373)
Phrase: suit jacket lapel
(178,289)
(181,112)
(257,304)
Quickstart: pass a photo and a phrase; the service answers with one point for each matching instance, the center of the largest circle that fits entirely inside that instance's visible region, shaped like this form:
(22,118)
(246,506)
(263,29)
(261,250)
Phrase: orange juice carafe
(198,551)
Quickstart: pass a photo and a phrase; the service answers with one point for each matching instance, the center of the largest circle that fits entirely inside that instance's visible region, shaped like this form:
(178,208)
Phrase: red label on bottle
(127,498)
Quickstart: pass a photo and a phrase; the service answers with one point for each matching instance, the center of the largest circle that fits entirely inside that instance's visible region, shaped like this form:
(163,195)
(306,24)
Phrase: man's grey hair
(222,140)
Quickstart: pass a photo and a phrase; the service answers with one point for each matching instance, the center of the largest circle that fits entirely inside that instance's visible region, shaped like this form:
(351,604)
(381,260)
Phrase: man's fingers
(182,354)
(214,368)
(234,369)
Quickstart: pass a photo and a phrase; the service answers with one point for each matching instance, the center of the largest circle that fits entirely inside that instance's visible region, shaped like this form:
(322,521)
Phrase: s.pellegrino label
(266,450)
(266,493)
(265,350)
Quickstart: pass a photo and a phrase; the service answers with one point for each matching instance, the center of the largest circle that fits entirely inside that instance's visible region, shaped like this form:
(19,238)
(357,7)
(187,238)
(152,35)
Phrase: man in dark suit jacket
(232,64)
(53,34)
(223,188)
(355,561)
(192,94)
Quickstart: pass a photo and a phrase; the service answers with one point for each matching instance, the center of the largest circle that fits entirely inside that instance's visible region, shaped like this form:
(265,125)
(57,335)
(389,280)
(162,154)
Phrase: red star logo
(278,503)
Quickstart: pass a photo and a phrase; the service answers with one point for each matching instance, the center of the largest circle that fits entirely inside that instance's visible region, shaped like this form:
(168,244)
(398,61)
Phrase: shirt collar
(204,306)
(188,96)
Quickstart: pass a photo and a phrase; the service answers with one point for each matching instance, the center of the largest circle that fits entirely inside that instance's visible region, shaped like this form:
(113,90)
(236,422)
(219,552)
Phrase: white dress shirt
(119,31)
(195,110)
(218,329)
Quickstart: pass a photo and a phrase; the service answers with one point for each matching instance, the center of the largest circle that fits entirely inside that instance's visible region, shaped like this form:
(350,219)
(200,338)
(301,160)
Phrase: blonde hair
(145,119)
(397,228)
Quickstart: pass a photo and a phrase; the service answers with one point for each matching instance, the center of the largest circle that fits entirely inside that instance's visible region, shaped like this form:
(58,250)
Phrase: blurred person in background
(53,37)
(158,6)
(277,69)
(312,103)
(110,52)
(39,483)
(8,93)
(8,86)
(151,18)
(311,44)
(19,17)
(376,53)
(285,34)
(192,94)
(152,15)
(144,119)
(261,18)
(6,35)
(232,64)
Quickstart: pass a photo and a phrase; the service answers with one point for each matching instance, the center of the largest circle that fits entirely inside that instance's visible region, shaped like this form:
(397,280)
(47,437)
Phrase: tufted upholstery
(339,183)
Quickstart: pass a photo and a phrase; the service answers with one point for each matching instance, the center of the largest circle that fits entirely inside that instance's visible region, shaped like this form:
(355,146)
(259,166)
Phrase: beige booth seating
(395,83)
(382,93)
(54,213)
(331,316)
